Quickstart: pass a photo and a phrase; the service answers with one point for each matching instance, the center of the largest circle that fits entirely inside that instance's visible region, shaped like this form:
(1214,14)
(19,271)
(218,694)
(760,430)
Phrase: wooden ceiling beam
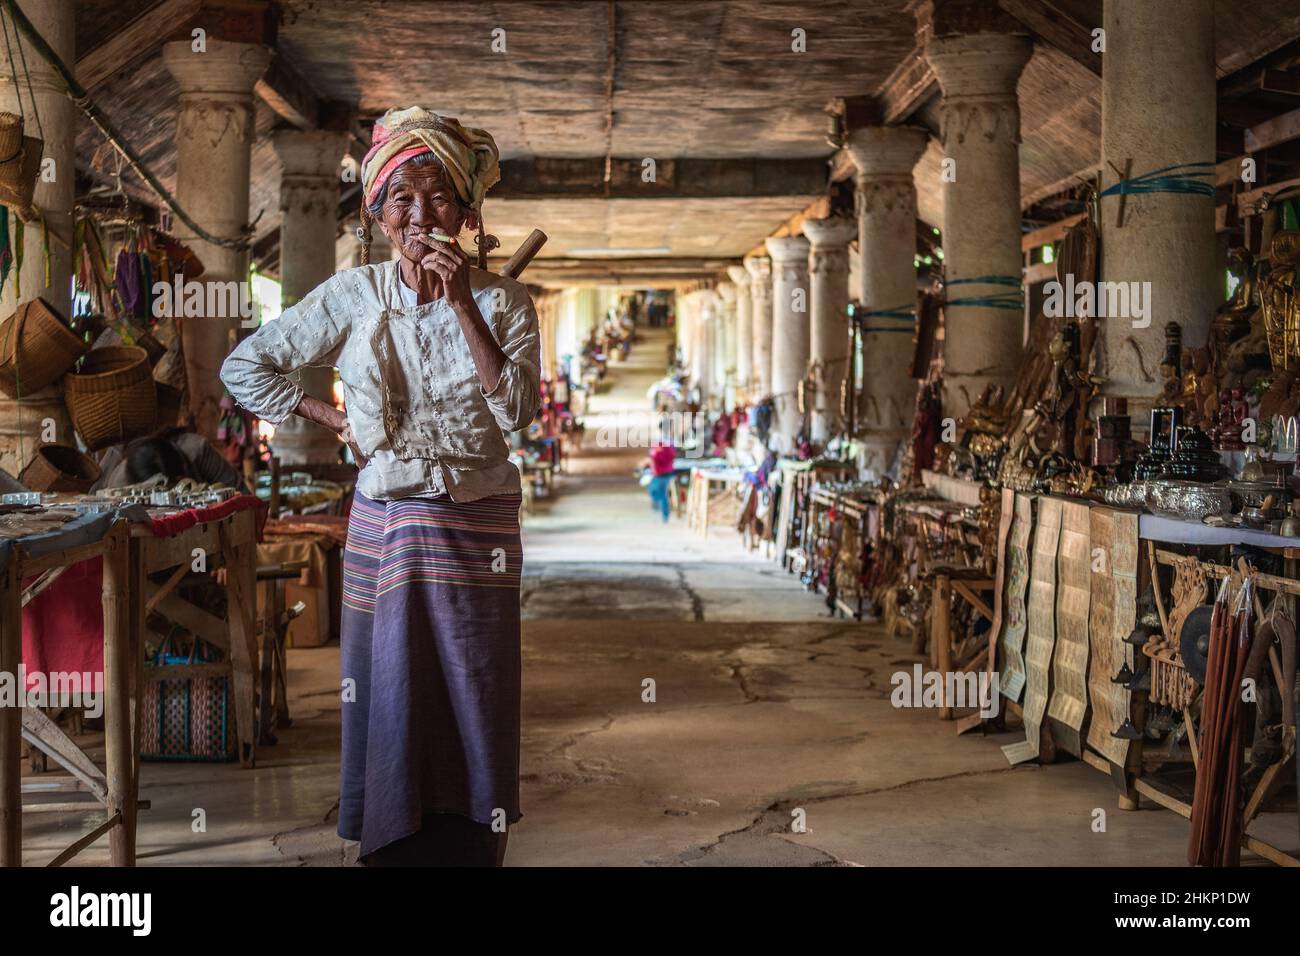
(1051,23)
(288,93)
(140,39)
(1279,129)
(910,86)
(584,177)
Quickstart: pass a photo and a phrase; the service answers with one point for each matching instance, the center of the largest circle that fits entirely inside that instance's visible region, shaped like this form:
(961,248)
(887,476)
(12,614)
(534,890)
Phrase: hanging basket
(60,468)
(11,135)
(113,398)
(36,349)
(18,174)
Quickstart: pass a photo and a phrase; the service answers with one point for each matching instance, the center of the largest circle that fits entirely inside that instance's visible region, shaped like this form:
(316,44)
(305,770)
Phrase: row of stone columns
(214,138)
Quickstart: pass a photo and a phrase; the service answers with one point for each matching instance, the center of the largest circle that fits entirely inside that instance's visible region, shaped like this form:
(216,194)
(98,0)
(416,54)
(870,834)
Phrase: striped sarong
(430,664)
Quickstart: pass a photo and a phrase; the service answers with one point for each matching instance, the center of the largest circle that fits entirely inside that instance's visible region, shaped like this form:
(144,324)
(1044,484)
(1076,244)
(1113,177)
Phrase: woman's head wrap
(470,155)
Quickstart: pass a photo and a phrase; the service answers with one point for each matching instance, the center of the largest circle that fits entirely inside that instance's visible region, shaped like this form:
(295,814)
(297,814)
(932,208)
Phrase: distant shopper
(662,457)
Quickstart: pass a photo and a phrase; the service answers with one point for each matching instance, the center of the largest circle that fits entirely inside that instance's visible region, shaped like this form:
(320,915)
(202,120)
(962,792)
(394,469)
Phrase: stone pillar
(685,330)
(790,333)
(701,352)
(1157,110)
(21,426)
(981,220)
(309,202)
(724,366)
(885,193)
(744,327)
(828,266)
(760,290)
(214,135)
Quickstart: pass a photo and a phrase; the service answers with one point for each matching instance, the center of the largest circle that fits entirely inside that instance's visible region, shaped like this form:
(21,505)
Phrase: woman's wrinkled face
(421,199)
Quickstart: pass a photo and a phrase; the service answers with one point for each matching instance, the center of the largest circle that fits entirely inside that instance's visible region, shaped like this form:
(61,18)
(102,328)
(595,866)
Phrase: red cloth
(63,626)
(168,526)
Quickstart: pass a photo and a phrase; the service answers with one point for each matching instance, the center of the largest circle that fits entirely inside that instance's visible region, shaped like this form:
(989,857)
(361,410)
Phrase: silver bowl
(1187,500)
(1131,495)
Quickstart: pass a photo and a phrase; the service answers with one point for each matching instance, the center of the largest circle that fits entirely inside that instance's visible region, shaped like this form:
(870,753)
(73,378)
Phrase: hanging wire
(79,96)
(13,73)
(27,75)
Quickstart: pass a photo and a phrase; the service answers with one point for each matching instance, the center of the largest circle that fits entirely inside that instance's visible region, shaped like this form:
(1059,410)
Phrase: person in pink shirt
(662,457)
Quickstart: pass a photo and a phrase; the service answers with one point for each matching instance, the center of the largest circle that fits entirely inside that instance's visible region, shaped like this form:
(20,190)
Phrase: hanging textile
(1216,806)
(6,253)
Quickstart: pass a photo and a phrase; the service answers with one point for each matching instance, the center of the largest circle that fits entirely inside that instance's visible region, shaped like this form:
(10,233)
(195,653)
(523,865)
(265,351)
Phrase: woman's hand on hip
(350,439)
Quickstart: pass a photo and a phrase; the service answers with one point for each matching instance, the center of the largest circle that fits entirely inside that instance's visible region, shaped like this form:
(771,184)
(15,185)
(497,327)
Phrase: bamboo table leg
(118,668)
(11,655)
(136,627)
(237,545)
(941,638)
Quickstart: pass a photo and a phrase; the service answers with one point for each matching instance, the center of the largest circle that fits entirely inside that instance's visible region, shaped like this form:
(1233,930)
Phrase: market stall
(59,619)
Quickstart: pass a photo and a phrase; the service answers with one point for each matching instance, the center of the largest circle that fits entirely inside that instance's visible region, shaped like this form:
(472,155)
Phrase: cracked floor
(685,703)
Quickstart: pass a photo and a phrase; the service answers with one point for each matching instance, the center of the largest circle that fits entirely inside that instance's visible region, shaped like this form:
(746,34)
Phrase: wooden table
(116,786)
(229,542)
(130,552)
(711,498)
(1273,777)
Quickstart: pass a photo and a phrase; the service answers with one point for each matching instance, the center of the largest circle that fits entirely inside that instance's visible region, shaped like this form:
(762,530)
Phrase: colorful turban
(470,155)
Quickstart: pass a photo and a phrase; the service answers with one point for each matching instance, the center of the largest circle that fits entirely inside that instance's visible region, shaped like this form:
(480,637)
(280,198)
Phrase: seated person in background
(174,452)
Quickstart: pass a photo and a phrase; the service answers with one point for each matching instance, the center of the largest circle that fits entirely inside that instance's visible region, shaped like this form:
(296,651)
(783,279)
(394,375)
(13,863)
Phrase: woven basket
(11,135)
(113,398)
(36,349)
(60,468)
(18,174)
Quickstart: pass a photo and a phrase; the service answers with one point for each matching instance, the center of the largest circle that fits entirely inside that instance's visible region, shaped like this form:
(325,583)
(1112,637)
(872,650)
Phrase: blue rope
(1012,281)
(1003,300)
(1183,178)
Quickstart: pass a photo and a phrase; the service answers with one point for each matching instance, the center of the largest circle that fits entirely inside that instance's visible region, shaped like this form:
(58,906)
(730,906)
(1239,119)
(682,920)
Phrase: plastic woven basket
(113,398)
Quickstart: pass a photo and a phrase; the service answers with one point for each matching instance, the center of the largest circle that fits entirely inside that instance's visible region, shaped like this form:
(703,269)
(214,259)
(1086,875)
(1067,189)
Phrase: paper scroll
(1068,706)
(1113,617)
(1040,635)
(1011,644)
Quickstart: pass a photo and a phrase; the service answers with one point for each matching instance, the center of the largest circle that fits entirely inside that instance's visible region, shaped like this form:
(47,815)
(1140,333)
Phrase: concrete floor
(765,710)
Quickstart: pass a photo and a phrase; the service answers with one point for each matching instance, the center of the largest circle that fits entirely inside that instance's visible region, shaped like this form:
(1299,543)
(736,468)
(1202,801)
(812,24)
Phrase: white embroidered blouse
(412,393)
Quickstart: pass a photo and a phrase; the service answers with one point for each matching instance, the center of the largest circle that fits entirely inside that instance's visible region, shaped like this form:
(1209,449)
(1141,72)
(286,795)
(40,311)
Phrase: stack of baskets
(112,398)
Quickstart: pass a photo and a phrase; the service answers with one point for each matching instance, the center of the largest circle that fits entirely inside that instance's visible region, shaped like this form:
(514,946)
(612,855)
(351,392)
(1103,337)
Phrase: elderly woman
(437,359)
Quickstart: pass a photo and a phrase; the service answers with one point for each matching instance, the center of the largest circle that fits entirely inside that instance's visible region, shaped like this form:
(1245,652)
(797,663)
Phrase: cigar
(440,237)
